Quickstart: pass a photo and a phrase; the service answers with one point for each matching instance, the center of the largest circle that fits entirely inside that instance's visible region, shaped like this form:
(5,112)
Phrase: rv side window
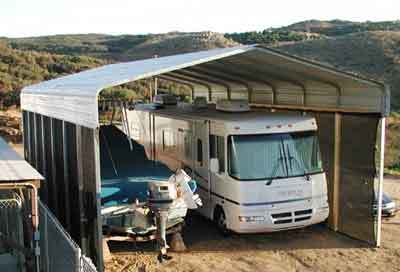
(187,138)
(199,151)
(213,146)
(217,150)
(221,153)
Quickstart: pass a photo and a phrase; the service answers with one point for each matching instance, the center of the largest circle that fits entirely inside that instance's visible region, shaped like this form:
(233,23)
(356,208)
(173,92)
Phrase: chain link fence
(57,249)
(11,227)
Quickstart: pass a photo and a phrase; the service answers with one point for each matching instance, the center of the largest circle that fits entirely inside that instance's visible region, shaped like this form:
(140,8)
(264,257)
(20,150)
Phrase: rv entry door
(201,160)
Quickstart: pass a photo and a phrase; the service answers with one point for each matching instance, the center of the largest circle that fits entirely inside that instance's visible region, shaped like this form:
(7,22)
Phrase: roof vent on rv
(233,105)
(200,102)
(165,99)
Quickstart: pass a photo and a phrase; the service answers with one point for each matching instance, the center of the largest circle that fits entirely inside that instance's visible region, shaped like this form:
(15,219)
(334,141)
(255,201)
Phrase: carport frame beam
(336,170)
(197,76)
(380,185)
(222,76)
(250,76)
(194,81)
(171,79)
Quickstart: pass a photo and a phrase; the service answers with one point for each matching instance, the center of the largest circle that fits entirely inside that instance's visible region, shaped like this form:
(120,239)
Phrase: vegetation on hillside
(21,68)
(271,36)
(123,47)
(141,90)
(340,27)
(311,30)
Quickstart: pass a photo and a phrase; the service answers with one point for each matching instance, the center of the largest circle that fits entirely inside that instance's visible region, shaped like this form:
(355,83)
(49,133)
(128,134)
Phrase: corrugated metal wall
(357,174)
(67,156)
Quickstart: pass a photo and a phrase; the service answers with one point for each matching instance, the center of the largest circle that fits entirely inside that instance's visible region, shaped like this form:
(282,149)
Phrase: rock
(177,244)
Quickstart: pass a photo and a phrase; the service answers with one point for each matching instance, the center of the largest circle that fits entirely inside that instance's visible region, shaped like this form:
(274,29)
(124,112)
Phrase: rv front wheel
(220,221)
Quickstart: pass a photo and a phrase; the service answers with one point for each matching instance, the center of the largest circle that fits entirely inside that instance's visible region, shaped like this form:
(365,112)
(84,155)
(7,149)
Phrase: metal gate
(57,249)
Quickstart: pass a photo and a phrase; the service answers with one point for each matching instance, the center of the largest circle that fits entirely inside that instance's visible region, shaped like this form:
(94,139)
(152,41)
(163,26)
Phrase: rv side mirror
(214,165)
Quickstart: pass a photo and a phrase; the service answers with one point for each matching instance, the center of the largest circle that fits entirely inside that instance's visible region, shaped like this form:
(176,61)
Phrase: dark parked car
(388,205)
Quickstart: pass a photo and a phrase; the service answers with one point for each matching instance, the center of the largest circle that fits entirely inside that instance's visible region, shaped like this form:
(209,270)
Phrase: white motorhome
(256,171)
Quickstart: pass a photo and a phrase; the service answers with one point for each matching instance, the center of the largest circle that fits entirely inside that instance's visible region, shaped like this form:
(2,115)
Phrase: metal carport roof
(262,75)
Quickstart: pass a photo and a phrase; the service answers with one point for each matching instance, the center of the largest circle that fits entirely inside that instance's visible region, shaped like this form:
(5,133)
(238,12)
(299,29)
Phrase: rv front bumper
(276,220)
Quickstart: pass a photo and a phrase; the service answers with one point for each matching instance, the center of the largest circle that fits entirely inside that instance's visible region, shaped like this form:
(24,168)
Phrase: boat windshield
(271,156)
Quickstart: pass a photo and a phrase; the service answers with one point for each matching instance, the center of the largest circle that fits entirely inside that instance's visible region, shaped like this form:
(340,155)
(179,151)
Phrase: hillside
(373,54)
(20,68)
(319,26)
(124,47)
(311,30)
(340,27)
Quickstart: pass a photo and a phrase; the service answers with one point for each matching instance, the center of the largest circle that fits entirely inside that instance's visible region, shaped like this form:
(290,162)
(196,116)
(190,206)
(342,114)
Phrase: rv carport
(61,121)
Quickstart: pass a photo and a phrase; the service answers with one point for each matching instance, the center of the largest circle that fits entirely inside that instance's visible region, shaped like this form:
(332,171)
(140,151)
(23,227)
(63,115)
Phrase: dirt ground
(311,249)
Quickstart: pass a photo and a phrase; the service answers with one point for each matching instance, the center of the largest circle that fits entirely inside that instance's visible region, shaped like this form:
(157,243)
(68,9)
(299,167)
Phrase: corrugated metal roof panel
(13,168)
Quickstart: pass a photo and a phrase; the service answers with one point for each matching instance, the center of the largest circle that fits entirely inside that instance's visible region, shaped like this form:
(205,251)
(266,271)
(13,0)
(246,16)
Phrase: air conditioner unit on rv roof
(165,99)
(200,102)
(233,105)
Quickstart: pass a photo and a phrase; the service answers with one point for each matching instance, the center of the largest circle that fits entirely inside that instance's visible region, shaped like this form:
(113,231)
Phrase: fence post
(46,248)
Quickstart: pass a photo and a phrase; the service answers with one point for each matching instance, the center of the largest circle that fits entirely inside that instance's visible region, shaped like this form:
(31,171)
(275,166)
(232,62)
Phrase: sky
(22,18)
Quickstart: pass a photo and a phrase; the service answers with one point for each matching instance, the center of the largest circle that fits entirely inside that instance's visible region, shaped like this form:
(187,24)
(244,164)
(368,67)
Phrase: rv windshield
(270,156)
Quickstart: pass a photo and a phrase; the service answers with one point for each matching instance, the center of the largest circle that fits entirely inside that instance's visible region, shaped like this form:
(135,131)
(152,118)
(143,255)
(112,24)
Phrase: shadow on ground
(201,235)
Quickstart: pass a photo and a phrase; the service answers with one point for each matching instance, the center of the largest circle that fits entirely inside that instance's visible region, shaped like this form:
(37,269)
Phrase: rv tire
(220,221)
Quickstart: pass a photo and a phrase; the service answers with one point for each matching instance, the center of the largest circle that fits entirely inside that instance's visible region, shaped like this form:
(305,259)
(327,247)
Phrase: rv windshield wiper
(277,165)
(292,158)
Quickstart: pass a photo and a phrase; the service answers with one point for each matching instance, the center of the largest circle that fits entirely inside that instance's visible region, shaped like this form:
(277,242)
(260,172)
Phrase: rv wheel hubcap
(222,221)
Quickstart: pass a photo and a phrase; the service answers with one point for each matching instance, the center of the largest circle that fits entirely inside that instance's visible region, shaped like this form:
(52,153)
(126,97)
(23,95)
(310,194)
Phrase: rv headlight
(248,219)
(323,208)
